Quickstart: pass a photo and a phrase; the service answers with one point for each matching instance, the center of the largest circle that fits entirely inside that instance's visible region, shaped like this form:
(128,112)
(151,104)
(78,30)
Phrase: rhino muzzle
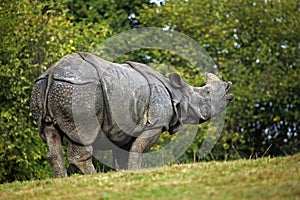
(229,97)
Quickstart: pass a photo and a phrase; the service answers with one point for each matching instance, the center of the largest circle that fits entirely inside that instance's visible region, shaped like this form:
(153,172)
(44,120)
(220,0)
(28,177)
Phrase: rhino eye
(207,90)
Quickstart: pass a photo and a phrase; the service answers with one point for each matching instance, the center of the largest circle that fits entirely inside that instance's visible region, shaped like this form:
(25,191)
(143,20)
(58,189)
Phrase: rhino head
(199,104)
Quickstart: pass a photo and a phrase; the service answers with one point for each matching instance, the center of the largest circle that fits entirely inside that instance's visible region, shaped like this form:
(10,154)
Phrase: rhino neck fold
(175,93)
(190,114)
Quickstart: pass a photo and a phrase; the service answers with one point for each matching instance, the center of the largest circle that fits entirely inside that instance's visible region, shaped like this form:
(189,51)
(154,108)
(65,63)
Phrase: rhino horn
(211,77)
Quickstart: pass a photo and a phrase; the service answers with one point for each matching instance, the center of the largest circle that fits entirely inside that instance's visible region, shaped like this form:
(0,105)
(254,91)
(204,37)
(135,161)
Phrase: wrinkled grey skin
(98,104)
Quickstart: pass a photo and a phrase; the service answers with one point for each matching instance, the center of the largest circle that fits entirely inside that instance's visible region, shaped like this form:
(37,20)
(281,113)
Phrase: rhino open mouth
(229,97)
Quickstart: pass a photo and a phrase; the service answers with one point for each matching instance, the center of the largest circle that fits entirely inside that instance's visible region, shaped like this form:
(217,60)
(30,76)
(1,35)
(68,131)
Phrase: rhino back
(115,103)
(73,69)
(89,95)
(134,100)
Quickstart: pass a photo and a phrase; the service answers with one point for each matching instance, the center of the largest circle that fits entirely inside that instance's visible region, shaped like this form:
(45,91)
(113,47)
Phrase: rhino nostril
(229,84)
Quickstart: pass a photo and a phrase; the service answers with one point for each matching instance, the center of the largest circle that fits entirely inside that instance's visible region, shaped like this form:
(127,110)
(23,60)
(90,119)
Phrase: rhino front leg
(142,144)
(81,157)
(55,154)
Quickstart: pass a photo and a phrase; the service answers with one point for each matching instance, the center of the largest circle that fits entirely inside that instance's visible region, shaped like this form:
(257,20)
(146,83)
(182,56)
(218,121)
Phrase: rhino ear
(176,80)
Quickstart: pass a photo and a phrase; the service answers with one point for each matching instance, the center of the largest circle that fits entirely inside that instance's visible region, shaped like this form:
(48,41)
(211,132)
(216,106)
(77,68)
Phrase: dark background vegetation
(255,43)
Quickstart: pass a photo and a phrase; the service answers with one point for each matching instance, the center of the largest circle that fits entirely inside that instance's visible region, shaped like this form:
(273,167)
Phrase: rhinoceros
(87,99)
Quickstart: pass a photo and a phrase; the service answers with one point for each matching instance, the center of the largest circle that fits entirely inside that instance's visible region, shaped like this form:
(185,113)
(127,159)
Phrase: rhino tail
(47,115)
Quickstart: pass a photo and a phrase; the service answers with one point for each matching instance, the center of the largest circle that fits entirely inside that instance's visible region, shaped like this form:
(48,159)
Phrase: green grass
(266,178)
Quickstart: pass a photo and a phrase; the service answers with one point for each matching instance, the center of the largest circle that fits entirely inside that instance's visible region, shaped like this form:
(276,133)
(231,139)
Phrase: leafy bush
(34,36)
(256,46)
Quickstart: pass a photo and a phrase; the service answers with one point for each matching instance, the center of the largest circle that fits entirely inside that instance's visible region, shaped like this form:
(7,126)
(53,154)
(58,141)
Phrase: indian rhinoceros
(86,99)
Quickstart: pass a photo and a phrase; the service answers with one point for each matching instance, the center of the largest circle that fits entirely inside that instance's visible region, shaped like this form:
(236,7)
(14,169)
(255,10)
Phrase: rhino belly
(77,109)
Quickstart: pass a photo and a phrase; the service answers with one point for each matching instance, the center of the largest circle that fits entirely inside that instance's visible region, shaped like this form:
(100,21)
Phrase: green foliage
(21,60)
(118,15)
(256,46)
(34,36)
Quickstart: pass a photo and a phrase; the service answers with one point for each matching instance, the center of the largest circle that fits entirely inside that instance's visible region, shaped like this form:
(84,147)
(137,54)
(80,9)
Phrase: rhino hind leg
(55,154)
(81,157)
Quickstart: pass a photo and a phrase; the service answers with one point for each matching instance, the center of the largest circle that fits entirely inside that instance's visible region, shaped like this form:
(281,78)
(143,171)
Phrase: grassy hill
(266,178)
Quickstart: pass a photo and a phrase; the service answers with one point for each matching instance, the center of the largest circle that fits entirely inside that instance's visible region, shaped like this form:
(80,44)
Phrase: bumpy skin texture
(99,104)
